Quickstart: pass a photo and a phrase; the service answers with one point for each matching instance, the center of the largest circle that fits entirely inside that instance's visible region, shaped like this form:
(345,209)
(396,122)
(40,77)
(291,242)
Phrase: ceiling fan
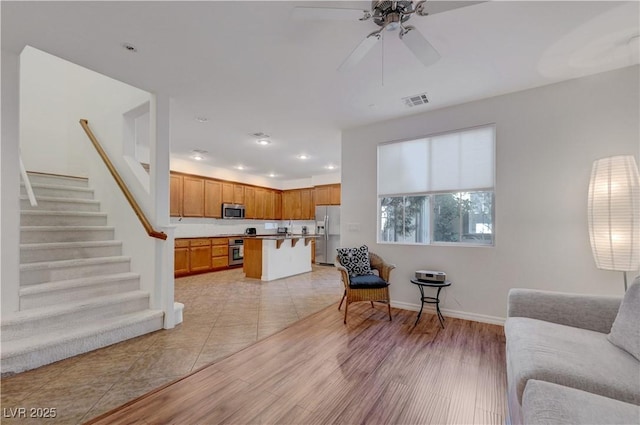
(389,15)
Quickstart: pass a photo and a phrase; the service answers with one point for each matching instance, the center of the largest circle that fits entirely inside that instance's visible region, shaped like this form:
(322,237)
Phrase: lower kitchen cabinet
(219,253)
(200,255)
(181,257)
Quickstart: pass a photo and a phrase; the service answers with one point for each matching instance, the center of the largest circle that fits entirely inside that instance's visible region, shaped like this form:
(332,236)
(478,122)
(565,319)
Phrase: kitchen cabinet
(250,202)
(278,206)
(228,193)
(327,194)
(313,251)
(219,253)
(287,205)
(175,195)
(192,196)
(306,204)
(260,195)
(334,194)
(322,195)
(238,194)
(270,207)
(181,257)
(199,255)
(212,199)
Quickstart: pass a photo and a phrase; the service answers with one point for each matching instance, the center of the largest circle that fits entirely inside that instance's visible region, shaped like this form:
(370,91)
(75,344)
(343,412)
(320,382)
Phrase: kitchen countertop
(277,237)
(245,236)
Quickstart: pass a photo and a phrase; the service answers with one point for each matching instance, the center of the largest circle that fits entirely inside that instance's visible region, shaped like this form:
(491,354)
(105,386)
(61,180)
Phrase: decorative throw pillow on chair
(355,260)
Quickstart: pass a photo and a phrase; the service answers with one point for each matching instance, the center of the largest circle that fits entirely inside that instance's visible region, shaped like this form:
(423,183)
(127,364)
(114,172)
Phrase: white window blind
(459,161)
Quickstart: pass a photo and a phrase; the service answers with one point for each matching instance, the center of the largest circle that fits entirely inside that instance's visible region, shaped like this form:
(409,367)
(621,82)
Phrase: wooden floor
(319,371)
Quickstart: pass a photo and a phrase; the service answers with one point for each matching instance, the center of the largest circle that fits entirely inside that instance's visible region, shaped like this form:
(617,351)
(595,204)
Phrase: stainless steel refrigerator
(328,228)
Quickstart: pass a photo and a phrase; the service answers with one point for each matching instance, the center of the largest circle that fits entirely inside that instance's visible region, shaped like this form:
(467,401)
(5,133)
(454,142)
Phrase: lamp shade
(614,213)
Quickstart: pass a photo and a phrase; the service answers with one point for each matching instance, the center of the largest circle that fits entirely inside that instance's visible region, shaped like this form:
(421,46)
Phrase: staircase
(77,291)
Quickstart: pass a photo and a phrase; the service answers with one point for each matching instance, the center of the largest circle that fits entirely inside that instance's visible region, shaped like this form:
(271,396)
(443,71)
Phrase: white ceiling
(249,67)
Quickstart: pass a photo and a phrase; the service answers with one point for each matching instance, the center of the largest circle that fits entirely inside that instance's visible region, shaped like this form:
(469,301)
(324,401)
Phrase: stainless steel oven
(236,251)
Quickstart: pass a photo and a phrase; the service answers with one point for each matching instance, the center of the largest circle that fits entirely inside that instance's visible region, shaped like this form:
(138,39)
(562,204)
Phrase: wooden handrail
(127,194)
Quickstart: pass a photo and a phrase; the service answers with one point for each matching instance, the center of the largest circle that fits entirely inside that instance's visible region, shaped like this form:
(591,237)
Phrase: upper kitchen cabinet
(291,205)
(175,195)
(307,209)
(269,205)
(334,194)
(228,193)
(250,202)
(327,195)
(192,196)
(278,205)
(261,195)
(238,194)
(322,195)
(212,199)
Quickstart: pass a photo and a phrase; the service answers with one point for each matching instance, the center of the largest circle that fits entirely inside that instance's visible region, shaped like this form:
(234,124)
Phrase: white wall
(547,139)
(55,95)
(9,185)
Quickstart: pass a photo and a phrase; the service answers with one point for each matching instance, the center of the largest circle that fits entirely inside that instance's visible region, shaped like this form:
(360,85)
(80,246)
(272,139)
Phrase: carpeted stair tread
(61,199)
(60,187)
(69,334)
(62,285)
(64,213)
(73,263)
(74,244)
(51,311)
(62,228)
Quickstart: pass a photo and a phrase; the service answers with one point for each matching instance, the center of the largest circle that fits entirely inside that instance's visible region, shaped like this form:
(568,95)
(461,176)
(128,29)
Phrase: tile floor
(224,313)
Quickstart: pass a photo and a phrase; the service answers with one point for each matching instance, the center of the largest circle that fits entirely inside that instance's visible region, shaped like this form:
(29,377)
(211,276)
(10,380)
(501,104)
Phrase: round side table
(421,284)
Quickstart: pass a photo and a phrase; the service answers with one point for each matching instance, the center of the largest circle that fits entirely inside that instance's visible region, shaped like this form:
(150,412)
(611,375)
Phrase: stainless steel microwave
(232,211)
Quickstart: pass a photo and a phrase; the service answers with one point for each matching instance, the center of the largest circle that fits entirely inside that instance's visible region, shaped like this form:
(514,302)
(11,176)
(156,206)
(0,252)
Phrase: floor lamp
(614,214)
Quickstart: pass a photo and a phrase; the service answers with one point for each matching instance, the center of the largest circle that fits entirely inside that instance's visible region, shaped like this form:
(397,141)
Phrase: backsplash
(203,227)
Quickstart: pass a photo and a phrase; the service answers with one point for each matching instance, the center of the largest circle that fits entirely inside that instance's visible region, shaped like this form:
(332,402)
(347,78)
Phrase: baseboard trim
(475,317)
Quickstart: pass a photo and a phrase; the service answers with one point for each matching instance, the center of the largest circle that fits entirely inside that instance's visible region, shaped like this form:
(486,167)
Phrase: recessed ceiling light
(129,47)
(272,174)
(263,142)
(239,167)
(198,154)
(202,119)
(303,156)
(330,167)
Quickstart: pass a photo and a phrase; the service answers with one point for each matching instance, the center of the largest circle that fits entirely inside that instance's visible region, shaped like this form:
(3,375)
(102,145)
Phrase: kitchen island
(273,257)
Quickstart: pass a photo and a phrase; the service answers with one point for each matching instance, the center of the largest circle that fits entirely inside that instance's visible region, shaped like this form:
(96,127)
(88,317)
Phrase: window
(438,189)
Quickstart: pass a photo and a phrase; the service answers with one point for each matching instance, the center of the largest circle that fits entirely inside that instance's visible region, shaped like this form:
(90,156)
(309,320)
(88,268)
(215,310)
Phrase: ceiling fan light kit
(389,15)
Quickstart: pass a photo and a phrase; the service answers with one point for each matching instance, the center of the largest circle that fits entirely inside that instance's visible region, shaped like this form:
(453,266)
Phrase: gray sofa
(573,359)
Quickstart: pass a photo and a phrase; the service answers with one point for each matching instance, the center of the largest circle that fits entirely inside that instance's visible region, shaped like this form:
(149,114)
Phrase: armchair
(366,287)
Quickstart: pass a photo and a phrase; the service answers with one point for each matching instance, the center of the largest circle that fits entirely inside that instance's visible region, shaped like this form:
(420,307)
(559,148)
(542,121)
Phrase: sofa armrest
(593,312)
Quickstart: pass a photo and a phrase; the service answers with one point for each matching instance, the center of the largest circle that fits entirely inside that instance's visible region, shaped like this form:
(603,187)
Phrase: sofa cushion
(355,260)
(574,357)
(367,282)
(625,332)
(544,403)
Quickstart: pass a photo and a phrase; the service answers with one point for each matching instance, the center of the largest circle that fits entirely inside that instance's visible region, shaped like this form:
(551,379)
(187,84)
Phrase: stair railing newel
(127,193)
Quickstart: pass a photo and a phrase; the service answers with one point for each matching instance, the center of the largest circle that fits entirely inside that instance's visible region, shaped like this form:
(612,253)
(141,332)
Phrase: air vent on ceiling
(416,100)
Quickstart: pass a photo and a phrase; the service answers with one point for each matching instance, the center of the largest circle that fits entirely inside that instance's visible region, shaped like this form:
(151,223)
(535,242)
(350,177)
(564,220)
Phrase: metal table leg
(421,304)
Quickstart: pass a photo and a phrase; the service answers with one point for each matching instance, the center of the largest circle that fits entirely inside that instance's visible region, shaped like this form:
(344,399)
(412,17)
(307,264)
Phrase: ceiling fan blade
(359,52)
(434,7)
(327,13)
(419,45)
